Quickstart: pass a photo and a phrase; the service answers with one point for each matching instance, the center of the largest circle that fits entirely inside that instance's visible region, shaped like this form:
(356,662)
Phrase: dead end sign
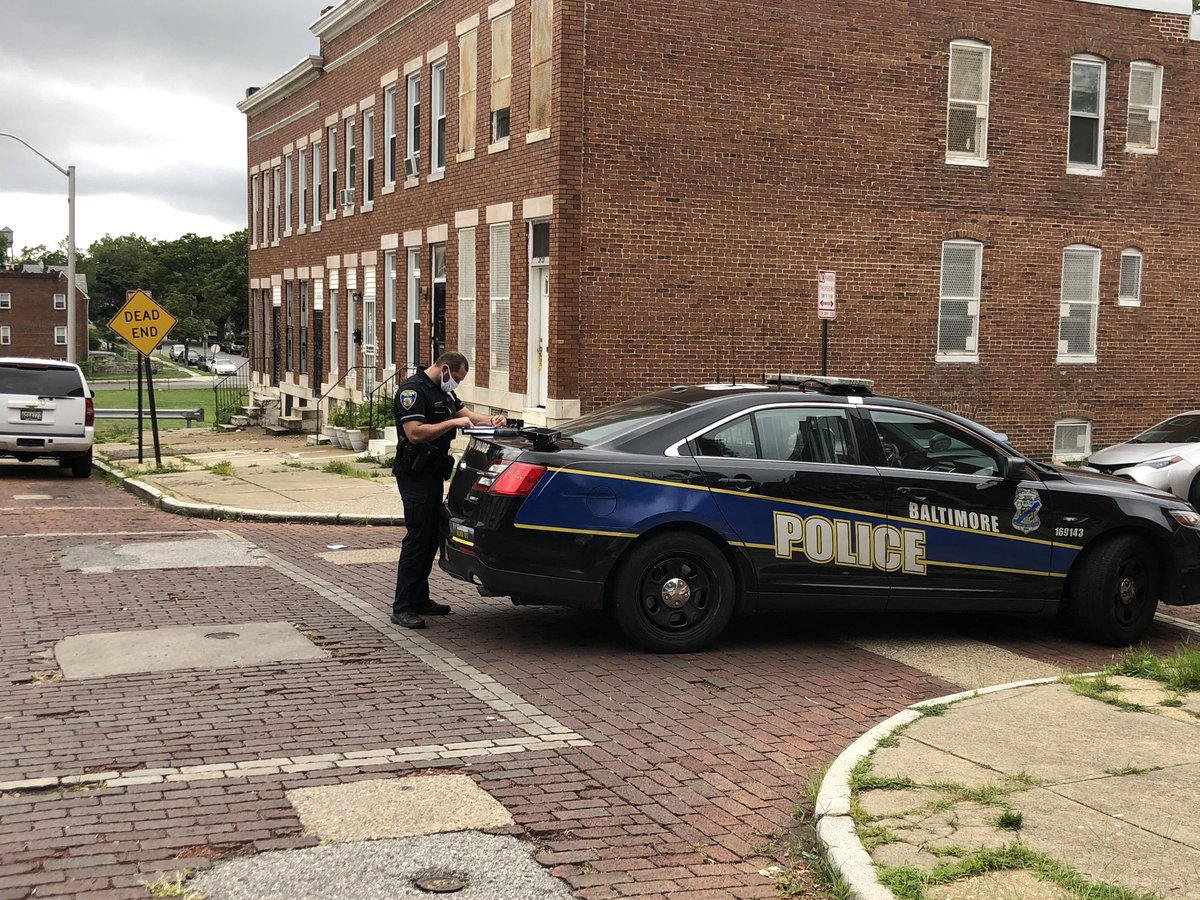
(142,322)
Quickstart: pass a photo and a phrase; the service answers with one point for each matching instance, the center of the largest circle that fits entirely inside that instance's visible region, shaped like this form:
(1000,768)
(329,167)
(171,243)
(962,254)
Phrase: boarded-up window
(541,39)
(466,92)
(466,292)
(501,73)
(499,306)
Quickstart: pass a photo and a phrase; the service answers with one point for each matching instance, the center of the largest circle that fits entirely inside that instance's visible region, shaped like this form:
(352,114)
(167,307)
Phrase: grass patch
(223,468)
(112,430)
(1101,687)
(1010,820)
(174,886)
(341,467)
(1126,770)
(909,883)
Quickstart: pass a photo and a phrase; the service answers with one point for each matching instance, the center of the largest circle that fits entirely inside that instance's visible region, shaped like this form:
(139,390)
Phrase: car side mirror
(1013,468)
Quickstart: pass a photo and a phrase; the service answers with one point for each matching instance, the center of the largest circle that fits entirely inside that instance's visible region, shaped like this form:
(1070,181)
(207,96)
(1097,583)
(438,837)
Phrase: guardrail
(191,415)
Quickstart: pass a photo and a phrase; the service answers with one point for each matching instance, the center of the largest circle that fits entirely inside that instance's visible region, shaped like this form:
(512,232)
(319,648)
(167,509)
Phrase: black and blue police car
(682,508)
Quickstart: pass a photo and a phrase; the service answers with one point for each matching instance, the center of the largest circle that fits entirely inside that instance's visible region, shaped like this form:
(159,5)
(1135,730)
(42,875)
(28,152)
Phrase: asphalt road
(628,774)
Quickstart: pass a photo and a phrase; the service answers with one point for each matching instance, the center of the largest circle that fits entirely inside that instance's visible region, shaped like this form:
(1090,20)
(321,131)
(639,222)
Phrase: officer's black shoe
(408,620)
(435,609)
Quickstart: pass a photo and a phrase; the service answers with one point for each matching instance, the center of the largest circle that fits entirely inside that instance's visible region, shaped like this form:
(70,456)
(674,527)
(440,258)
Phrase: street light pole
(69,171)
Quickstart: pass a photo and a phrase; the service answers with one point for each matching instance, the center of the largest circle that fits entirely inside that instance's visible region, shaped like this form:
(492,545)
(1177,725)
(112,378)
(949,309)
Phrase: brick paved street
(637,775)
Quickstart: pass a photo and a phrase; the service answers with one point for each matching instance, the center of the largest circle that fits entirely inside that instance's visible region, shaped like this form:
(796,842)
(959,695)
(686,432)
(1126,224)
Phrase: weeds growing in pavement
(224,468)
(1100,687)
(341,467)
(174,886)
(1010,820)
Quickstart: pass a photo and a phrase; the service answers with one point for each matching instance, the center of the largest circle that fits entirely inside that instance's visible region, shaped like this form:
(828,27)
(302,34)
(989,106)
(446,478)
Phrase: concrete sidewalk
(1023,791)
(1039,787)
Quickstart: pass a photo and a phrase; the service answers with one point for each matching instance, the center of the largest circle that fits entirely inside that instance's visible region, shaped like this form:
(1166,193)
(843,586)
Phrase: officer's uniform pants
(422,496)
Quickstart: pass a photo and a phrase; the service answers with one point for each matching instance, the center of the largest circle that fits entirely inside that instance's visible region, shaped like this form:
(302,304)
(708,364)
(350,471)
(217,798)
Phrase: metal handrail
(371,398)
(321,399)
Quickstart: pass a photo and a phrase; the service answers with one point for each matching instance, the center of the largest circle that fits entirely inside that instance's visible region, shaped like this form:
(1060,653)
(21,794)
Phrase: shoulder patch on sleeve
(408,398)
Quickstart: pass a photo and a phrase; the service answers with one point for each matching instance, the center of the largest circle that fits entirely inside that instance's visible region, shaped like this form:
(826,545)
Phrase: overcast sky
(138,95)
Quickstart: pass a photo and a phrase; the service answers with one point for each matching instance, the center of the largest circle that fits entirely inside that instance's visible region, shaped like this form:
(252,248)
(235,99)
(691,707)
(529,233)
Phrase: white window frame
(6,301)
(982,106)
(1153,111)
(288,187)
(266,208)
(1124,298)
(334,331)
(971,354)
(331,170)
(5,335)
(60,335)
(1065,356)
(60,301)
(302,198)
(317,182)
(389,309)
(1075,455)
(437,116)
(389,135)
(254,206)
(467,289)
(499,304)
(350,140)
(368,168)
(412,136)
(275,204)
(1081,168)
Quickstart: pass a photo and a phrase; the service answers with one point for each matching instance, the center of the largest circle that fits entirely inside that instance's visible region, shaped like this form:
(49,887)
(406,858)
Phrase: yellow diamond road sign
(142,322)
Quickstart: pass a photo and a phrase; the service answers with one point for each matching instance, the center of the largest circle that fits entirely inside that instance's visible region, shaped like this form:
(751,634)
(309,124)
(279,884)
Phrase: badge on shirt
(408,398)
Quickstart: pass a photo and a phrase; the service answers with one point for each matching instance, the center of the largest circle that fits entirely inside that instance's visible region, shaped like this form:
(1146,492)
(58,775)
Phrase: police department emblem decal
(1028,505)
(408,398)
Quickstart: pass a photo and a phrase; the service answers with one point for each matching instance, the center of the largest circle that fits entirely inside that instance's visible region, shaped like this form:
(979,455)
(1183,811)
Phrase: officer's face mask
(449,385)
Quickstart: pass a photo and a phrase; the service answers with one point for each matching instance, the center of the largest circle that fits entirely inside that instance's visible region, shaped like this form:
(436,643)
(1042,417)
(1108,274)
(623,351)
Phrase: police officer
(427,412)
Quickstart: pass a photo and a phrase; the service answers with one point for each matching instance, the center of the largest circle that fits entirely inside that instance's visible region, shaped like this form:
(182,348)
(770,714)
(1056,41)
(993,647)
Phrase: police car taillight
(509,479)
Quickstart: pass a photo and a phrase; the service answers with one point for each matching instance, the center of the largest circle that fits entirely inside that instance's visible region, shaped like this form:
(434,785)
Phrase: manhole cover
(222,635)
(440,884)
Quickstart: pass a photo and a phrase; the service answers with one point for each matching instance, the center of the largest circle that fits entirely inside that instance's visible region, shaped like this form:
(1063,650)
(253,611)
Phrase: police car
(677,510)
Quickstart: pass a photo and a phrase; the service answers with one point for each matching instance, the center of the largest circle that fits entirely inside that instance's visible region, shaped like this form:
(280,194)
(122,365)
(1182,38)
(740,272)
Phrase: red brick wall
(32,318)
(732,150)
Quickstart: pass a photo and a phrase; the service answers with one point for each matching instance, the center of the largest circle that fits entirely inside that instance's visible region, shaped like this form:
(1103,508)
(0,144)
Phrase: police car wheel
(673,593)
(1194,493)
(1115,592)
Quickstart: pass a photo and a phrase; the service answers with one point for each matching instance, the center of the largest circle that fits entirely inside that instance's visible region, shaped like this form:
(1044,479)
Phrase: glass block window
(958,313)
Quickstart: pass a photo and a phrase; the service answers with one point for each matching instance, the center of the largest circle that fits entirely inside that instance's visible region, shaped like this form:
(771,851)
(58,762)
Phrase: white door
(413,317)
(539,335)
(368,347)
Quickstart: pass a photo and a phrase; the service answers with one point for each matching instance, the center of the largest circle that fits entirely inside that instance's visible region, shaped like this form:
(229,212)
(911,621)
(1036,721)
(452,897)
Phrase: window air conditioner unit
(347,196)
(410,165)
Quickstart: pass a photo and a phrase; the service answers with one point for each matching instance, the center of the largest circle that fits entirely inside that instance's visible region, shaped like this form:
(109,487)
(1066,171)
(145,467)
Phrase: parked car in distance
(223,366)
(237,348)
(46,411)
(194,357)
(1165,456)
(178,351)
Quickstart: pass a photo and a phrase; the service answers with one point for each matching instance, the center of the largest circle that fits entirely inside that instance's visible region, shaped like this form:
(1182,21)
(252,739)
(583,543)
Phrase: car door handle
(914,494)
(736,482)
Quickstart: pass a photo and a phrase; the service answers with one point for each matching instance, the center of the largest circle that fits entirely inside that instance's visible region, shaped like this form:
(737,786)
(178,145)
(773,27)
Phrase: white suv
(46,411)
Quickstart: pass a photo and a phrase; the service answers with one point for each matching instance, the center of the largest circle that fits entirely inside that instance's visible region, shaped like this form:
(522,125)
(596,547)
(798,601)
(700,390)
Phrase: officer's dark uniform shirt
(421,399)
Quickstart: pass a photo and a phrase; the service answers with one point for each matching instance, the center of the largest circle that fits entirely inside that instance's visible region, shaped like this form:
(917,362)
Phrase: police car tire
(1096,610)
(1194,493)
(674,553)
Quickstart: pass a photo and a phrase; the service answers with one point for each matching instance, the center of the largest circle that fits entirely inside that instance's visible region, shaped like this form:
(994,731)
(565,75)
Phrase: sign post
(826,310)
(144,324)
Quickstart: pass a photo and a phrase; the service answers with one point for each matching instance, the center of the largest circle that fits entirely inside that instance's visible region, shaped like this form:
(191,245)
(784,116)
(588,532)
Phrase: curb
(835,828)
(161,500)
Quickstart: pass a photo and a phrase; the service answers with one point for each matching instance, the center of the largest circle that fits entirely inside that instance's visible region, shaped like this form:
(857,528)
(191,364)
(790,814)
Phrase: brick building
(33,313)
(593,200)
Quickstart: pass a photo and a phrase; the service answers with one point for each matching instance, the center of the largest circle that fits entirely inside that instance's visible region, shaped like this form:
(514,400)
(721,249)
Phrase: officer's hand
(499,421)
(463,422)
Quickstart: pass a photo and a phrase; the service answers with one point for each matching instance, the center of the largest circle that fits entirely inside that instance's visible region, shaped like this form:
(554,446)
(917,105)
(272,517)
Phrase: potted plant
(338,420)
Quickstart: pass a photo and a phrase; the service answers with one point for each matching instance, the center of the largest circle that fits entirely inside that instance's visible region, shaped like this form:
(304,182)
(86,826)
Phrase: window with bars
(331,180)
(541,40)
(369,156)
(1079,304)
(501,75)
(302,173)
(967,101)
(303,327)
(466,91)
(1072,440)
(389,134)
(958,309)
(1085,136)
(1129,293)
(437,121)
(1145,103)
(466,292)
(289,323)
(499,303)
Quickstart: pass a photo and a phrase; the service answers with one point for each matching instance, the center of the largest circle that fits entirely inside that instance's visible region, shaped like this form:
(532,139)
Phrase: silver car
(1166,456)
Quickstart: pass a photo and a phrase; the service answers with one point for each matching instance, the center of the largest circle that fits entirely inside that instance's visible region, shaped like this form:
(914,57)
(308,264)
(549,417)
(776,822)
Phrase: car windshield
(1179,430)
(35,380)
(614,420)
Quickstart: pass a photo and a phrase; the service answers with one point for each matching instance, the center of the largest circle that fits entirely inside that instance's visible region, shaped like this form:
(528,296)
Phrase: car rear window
(611,421)
(1179,430)
(36,380)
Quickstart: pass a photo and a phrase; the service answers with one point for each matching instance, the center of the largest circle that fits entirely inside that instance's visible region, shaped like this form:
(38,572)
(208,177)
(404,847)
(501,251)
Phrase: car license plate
(31,415)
